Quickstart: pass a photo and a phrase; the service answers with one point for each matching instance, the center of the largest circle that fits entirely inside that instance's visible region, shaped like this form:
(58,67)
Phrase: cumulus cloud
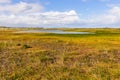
(111,17)
(5,1)
(31,14)
(21,7)
(38,19)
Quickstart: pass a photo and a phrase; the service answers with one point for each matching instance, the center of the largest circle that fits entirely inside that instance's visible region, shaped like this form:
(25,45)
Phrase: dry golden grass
(38,56)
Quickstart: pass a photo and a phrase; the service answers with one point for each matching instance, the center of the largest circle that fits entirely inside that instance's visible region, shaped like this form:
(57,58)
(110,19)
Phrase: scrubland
(45,56)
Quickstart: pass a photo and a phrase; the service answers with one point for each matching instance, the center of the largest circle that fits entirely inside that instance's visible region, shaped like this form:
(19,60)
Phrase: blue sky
(60,13)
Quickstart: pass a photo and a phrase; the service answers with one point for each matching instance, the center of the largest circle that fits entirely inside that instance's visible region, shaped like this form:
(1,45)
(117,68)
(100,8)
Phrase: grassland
(43,56)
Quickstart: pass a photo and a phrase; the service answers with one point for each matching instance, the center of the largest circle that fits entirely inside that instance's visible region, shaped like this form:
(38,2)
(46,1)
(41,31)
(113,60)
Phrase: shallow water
(52,31)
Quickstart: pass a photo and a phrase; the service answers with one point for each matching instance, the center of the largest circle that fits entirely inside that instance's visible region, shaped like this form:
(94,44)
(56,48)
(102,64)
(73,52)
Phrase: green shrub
(26,46)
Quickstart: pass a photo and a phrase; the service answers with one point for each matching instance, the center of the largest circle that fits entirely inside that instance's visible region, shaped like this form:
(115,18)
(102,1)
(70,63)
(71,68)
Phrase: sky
(60,13)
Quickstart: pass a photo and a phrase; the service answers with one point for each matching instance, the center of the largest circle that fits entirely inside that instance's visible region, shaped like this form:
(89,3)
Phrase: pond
(52,31)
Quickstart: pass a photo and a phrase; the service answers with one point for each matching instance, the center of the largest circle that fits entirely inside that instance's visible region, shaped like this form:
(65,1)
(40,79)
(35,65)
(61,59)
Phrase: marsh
(52,31)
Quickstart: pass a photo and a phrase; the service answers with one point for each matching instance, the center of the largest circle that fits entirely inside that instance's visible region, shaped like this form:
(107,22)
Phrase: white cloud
(115,10)
(31,14)
(38,19)
(23,13)
(5,1)
(21,7)
(111,17)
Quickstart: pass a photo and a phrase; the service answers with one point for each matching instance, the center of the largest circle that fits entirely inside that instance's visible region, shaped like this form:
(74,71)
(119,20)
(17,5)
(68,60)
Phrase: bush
(26,46)
(18,44)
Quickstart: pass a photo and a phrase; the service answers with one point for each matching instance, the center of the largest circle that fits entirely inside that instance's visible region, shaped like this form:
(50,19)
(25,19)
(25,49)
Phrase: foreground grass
(38,56)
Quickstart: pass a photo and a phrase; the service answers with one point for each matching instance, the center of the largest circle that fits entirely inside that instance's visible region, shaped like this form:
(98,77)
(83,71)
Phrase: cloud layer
(5,1)
(38,19)
(33,14)
(30,14)
(110,18)
(20,8)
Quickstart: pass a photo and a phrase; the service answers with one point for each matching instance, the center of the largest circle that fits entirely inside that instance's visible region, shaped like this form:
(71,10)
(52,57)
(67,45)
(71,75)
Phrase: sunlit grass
(43,56)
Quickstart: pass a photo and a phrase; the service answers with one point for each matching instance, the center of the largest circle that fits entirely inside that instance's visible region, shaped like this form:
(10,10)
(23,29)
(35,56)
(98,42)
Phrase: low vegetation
(43,56)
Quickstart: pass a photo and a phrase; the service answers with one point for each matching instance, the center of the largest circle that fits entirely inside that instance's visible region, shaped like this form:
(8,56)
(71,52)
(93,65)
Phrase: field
(45,56)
